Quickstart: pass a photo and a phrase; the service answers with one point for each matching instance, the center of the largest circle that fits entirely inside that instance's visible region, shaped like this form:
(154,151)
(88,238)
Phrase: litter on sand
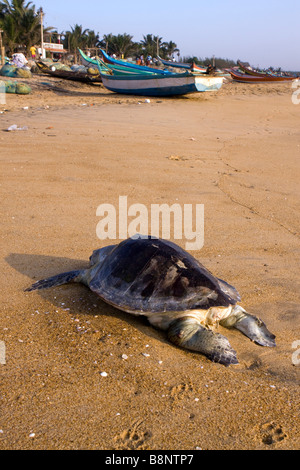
(14,127)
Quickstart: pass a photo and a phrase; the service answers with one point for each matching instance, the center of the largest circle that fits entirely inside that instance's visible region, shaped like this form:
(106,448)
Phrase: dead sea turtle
(158,279)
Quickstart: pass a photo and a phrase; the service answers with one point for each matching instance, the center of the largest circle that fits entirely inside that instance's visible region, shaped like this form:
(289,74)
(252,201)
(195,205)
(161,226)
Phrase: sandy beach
(237,152)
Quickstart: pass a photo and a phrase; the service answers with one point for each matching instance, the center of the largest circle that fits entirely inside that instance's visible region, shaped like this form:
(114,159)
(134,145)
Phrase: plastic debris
(14,127)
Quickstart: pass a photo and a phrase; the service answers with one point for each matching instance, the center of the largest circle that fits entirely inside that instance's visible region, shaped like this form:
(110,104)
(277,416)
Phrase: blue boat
(122,63)
(180,65)
(156,84)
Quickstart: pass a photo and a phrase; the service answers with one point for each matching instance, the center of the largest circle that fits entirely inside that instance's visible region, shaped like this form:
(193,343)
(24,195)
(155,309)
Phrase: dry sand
(235,151)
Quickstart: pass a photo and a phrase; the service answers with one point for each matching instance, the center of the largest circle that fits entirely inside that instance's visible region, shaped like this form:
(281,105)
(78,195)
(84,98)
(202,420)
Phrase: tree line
(122,45)
(21,25)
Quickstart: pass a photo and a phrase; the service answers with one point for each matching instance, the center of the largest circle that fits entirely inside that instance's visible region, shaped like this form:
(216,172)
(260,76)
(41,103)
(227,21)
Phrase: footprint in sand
(180,391)
(133,438)
(272,433)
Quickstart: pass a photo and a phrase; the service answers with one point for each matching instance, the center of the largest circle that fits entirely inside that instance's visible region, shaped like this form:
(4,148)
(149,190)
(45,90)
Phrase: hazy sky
(262,32)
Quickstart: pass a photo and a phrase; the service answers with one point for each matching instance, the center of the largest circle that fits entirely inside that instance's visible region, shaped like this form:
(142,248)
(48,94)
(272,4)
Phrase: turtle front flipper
(250,326)
(188,333)
(58,280)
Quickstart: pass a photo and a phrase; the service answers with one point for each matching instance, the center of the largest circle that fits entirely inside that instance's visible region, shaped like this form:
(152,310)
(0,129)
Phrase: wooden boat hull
(74,76)
(244,78)
(87,61)
(158,85)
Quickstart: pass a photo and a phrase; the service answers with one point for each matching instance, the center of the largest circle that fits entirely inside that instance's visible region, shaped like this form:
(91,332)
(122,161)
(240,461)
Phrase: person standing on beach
(33,52)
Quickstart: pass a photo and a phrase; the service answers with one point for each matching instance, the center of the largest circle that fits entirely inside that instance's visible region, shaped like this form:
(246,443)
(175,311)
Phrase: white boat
(156,84)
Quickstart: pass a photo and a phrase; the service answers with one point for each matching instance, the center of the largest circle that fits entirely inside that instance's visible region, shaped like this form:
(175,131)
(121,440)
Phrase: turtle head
(98,256)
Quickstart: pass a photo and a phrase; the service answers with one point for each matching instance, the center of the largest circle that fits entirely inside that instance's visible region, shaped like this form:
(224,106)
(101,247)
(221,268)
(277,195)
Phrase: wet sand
(235,151)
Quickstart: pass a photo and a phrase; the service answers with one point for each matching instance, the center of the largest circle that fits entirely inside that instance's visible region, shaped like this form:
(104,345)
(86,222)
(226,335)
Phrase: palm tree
(151,45)
(121,45)
(11,32)
(92,40)
(169,49)
(76,38)
(21,23)
(30,27)
(3,11)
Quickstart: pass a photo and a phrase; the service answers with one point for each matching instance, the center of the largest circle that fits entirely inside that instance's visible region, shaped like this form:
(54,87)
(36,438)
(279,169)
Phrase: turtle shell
(154,275)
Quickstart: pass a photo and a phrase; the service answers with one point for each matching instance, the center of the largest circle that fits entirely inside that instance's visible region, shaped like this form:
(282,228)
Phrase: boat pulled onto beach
(76,76)
(88,62)
(247,78)
(155,84)
(193,67)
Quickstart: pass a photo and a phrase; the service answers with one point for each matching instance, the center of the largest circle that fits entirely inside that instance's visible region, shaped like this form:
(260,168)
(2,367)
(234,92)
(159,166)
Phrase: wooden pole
(2,49)
(42,33)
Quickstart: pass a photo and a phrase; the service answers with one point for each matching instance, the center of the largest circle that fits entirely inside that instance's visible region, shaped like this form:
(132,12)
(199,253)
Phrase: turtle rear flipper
(58,280)
(189,333)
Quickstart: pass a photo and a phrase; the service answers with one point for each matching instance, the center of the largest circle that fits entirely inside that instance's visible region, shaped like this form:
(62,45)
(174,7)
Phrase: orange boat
(242,77)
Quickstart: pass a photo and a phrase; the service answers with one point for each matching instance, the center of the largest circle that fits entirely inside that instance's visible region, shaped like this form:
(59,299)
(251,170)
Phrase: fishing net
(23,73)
(59,66)
(8,70)
(78,68)
(93,71)
(22,89)
(10,87)
(17,88)
(12,71)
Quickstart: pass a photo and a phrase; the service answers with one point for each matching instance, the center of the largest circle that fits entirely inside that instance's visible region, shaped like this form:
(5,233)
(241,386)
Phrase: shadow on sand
(76,297)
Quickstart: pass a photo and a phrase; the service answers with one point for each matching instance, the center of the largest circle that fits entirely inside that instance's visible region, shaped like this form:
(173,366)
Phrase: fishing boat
(193,67)
(77,76)
(120,63)
(242,77)
(121,69)
(250,71)
(156,84)
(111,61)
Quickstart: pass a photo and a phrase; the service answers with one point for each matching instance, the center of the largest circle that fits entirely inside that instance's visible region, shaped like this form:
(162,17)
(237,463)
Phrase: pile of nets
(8,70)
(59,66)
(84,69)
(17,87)
(15,72)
